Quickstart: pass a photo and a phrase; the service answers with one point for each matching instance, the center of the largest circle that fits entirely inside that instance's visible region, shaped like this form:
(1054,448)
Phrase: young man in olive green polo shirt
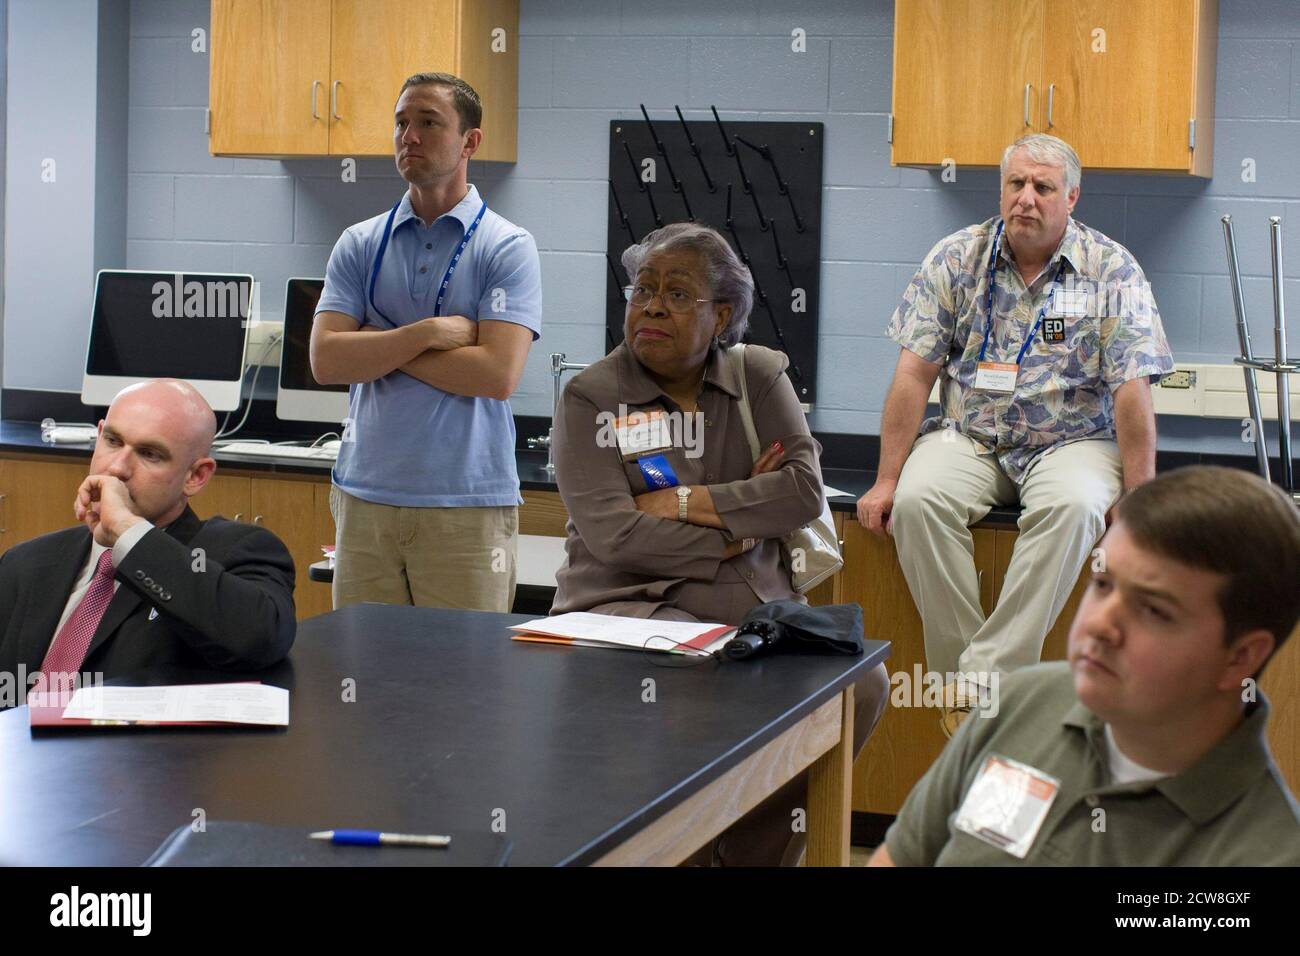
(1148,747)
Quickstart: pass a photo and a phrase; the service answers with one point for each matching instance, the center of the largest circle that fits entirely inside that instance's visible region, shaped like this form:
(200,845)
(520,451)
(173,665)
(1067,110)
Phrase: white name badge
(1070,301)
(643,433)
(1007,804)
(996,377)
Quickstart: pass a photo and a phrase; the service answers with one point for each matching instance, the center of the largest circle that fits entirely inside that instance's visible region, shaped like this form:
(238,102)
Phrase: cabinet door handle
(315,85)
(1051,95)
(1028,87)
(334,99)
(257,519)
(239,516)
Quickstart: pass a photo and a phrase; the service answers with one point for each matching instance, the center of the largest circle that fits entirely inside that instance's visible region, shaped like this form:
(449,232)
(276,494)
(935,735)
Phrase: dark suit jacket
(235,613)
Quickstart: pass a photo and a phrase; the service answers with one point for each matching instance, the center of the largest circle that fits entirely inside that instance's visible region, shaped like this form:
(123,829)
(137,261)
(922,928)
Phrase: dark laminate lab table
(454,727)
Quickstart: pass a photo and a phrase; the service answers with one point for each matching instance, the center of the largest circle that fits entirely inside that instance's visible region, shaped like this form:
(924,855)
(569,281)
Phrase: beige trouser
(946,487)
(429,557)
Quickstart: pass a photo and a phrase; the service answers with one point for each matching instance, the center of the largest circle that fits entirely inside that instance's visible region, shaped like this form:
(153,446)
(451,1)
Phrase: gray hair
(729,280)
(1050,151)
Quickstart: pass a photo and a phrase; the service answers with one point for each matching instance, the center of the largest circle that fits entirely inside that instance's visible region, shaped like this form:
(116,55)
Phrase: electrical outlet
(259,333)
(1179,378)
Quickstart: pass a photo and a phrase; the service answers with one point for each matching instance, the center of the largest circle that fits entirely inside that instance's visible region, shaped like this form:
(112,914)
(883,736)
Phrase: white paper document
(184,703)
(836,493)
(637,633)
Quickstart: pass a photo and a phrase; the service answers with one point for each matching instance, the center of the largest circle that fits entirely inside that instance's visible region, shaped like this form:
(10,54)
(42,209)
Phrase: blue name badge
(658,473)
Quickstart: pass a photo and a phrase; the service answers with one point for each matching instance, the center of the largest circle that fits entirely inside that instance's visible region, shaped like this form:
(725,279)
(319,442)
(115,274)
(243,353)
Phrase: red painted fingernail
(778,446)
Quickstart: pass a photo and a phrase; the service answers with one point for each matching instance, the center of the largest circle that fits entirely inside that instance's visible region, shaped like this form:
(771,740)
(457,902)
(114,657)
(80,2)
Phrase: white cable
(273,341)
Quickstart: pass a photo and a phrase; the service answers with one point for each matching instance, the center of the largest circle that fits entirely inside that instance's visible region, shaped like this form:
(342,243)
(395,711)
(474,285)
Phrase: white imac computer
(186,325)
(300,397)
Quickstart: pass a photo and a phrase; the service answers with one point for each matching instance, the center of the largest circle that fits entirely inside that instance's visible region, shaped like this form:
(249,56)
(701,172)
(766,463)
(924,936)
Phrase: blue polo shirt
(412,444)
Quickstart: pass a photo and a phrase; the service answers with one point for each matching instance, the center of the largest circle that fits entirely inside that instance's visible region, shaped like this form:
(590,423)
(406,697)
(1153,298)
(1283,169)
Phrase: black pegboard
(788,198)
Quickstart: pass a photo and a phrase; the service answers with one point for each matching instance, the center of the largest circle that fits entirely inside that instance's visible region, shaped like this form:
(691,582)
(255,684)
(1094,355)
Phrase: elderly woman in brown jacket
(670,516)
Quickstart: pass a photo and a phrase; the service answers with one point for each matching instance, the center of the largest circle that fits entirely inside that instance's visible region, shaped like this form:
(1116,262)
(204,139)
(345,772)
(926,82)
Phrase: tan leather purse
(814,549)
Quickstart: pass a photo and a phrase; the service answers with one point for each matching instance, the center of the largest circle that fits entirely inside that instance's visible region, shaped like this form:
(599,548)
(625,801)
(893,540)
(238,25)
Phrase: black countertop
(26,437)
(533,476)
(453,720)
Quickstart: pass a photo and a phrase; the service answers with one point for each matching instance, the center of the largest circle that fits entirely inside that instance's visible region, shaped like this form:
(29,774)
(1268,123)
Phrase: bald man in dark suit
(142,582)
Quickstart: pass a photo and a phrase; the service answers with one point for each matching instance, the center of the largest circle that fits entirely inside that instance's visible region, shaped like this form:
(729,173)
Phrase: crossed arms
(458,355)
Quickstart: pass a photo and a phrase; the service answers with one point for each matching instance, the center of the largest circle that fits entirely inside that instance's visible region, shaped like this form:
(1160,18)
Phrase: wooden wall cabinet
(1129,85)
(320,77)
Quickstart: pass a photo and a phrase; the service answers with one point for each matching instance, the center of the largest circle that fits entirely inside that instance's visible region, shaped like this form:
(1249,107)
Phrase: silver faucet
(558,368)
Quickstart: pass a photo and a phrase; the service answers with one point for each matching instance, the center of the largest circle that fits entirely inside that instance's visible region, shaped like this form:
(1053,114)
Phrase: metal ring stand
(1281,365)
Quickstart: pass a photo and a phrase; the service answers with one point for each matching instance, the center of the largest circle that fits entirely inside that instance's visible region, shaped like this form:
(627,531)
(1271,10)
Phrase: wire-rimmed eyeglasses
(674,300)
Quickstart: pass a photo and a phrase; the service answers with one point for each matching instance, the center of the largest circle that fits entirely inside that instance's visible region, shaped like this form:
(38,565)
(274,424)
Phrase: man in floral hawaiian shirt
(1047,338)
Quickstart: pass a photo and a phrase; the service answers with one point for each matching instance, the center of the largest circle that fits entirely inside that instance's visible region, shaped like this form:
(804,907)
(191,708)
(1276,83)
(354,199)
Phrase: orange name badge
(643,433)
(997,377)
(1007,804)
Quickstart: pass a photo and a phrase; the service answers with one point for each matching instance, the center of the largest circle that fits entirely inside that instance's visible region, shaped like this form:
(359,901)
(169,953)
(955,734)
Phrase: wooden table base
(822,741)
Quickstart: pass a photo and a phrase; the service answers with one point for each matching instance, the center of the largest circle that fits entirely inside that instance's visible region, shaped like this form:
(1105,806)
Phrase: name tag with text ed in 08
(643,433)
(996,377)
(1053,330)
(1007,804)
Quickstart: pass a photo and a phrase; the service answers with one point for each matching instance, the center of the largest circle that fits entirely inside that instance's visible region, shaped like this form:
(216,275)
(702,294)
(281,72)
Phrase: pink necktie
(69,647)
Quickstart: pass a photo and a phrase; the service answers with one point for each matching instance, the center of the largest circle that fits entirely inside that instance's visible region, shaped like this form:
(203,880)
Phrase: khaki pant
(430,557)
(945,487)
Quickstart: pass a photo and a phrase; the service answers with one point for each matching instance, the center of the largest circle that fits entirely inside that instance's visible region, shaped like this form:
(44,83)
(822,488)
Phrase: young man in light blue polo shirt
(428,312)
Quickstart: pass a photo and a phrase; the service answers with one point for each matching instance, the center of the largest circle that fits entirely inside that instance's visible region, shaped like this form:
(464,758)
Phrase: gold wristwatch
(683,496)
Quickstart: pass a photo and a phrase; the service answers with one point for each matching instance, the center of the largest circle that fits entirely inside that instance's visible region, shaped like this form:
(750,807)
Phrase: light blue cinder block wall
(584,62)
(582,65)
(65,180)
(4,77)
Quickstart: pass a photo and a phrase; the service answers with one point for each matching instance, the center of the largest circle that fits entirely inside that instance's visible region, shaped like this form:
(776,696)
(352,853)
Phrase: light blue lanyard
(451,266)
(992,283)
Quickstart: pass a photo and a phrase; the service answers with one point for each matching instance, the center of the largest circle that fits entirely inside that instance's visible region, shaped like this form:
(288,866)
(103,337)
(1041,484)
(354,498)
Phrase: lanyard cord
(992,284)
(451,267)
(379,258)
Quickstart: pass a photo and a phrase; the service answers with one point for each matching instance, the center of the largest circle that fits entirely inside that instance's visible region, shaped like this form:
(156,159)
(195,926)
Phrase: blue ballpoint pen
(375,838)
